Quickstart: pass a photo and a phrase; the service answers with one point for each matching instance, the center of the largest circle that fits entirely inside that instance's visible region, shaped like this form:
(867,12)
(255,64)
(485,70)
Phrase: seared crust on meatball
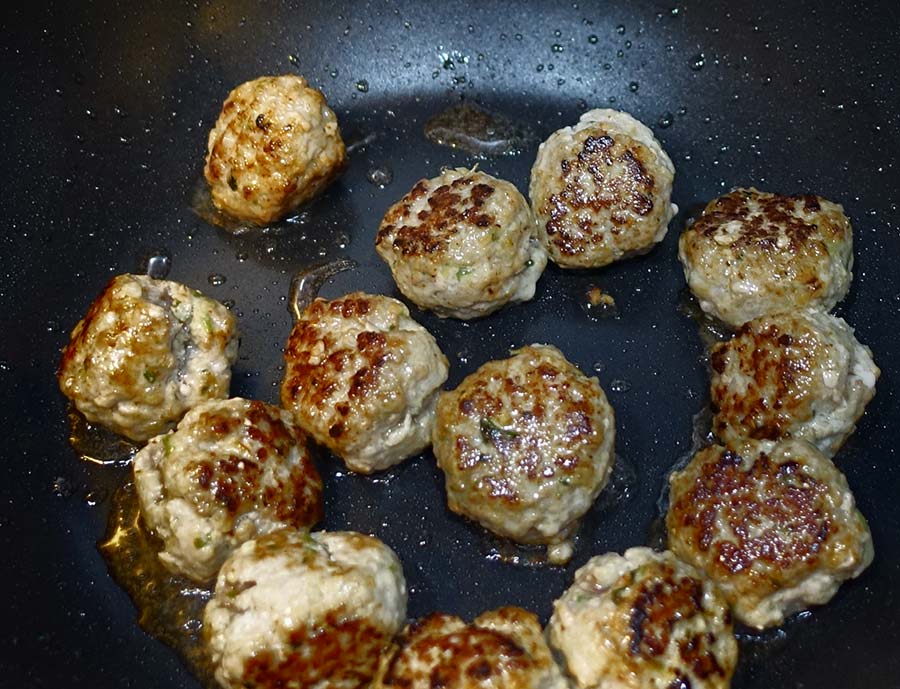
(752,253)
(146,352)
(643,620)
(774,524)
(304,610)
(232,470)
(462,244)
(601,190)
(362,378)
(275,145)
(500,649)
(801,375)
(526,445)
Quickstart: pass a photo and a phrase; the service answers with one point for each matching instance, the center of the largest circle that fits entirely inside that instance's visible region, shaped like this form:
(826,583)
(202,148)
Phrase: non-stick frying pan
(106,111)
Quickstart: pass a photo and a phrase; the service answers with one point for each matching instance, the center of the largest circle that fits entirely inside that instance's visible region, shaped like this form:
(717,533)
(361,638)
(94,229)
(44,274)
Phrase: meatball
(774,524)
(601,190)
(299,609)
(362,378)
(462,244)
(232,470)
(643,620)
(526,445)
(753,253)
(500,649)
(275,145)
(800,374)
(146,352)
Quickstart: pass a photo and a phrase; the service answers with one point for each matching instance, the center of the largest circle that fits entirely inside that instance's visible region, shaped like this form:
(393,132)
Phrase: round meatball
(232,470)
(643,620)
(299,609)
(501,649)
(601,190)
(462,244)
(362,378)
(275,145)
(146,352)
(774,524)
(526,445)
(752,253)
(791,375)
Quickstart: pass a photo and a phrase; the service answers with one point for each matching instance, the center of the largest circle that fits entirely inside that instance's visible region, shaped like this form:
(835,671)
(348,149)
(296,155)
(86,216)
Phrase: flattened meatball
(362,378)
(501,649)
(304,610)
(752,253)
(774,524)
(462,244)
(800,375)
(601,190)
(275,145)
(146,352)
(643,620)
(526,445)
(232,470)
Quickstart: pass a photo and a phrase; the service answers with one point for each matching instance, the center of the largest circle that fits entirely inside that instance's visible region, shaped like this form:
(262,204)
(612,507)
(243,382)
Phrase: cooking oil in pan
(95,444)
(170,607)
(478,131)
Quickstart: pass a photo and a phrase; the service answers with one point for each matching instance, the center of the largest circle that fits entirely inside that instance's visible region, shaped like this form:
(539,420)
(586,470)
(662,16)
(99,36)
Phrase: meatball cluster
(800,374)
(275,145)
(146,352)
(643,619)
(300,609)
(526,445)
(462,244)
(752,253)
(362,378)
(601,190)
(773,524)
(232,470)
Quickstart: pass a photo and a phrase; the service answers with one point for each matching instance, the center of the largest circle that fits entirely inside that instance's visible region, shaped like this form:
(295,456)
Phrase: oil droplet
(556,48)
(229,304)
(598,367)
(592,39)
(380,176)
(216,279)
(666,120)
(156,264)
(478,131)
(242,256)
(633,86)
(94,497)
(362,86)
(62,487)
(697,61)
(620,385)
(293,59)
(305,284)
(620,29)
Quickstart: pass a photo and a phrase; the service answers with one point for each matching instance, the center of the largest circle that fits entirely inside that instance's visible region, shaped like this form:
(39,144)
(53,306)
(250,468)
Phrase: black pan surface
(107,107)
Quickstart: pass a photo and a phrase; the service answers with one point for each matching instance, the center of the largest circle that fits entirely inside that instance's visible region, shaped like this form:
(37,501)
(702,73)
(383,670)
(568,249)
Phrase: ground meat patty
(304,610)
(753,253)
(643,620)
(601,190)
(799,374)
(275,145)
(462,244)
(232,470)
(146,352)
(774,524)
(526,445)
(500,649)
(362,378)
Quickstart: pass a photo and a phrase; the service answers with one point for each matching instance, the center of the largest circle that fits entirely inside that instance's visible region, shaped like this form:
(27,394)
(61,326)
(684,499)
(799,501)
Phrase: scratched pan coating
(107,111)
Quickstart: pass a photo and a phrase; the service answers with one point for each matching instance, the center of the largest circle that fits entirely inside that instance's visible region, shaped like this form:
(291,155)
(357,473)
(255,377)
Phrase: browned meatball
(362,378)
(500,649)
(774,524)
(232,470)
(526,445)
(752,253)
(146,352)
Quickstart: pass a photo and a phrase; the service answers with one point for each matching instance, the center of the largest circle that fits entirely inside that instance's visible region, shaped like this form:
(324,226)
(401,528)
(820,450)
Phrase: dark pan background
(106,110)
